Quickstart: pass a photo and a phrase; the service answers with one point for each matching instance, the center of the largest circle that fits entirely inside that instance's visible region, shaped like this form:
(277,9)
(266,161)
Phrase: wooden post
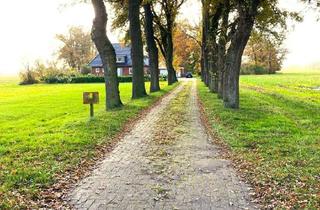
(91,110)
(91,98)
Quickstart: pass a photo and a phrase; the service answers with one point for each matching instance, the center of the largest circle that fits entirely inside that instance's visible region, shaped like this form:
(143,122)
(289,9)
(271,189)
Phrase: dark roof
(121,50)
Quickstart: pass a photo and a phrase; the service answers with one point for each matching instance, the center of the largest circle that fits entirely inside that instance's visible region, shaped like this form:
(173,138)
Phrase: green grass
(277,131)
(45,129)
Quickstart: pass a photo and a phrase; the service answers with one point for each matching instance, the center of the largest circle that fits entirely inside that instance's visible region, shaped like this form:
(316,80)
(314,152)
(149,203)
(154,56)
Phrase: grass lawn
(45,129)
(277,132)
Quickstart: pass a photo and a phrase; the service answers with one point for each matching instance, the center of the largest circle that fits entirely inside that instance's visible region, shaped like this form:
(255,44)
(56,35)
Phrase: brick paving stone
(192,177)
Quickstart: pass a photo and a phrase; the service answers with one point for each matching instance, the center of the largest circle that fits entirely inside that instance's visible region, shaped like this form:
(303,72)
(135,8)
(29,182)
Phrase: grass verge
(274,137)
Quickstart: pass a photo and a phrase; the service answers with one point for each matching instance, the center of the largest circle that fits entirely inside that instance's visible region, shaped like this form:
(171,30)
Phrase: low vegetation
(45,130)
(275,134)
(51,73)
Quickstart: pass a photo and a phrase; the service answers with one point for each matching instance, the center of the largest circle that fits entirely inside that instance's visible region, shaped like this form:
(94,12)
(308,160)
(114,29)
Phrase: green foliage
(85,70)
(87,79)
(45,130)
(277,132)
(48,73)
(52,74)
(55,79)
(254,69)
(84,79)
(265,51)
(28,77)
(78,48)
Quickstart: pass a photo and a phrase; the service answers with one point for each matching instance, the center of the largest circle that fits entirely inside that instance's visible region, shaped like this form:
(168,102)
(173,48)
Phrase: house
(163,72)
(124,62)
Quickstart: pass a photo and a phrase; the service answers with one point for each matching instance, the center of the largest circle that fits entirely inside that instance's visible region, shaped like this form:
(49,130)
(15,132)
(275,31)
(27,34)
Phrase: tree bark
(152,49)
(172,77)
(138,86)
(221,51)
(169,9)
(213,25)
(247,15)
(204,48)
(107,54)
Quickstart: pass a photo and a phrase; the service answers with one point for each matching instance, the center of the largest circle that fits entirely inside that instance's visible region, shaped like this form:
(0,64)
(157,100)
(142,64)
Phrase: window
(121,59)
(119,71)
(99,70)
(130,70)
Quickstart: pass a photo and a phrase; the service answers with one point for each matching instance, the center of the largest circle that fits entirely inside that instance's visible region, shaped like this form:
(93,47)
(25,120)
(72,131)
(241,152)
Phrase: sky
(28,30)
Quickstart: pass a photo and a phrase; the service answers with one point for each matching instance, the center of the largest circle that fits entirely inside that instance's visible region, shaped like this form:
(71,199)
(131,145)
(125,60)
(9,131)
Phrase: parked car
(189,75)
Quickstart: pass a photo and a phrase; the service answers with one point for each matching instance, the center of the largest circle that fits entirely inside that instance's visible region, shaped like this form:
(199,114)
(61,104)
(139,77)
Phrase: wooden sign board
(90,97)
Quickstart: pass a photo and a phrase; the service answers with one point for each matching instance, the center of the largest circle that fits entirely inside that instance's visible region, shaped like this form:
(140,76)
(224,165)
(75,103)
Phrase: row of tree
(227,26)
(159,18)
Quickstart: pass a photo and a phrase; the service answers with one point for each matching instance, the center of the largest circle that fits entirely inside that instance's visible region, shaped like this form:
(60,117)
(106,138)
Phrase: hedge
(85,79)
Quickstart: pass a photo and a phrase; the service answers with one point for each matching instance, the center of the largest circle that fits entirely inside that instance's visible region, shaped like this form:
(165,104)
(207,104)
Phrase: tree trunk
(220,66)
(172,77)
(221,49)
(138,86)
(234,54)
(152,49)
(202,63)
(213,77)
(204,48)
(107,54)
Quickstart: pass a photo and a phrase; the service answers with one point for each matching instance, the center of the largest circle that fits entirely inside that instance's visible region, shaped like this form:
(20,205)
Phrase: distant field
(301,70)
(277,130)
(45,129)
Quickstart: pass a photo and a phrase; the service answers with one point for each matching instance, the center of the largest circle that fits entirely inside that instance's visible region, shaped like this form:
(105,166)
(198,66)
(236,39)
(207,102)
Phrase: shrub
(87,79)
(85,70)
(28,77)
(48,73)
(95,79)
(163,78)
(253,69)
(57,79)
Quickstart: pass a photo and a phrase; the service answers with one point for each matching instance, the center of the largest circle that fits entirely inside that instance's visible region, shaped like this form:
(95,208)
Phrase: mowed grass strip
(171,124)
(277,132)
(45,129)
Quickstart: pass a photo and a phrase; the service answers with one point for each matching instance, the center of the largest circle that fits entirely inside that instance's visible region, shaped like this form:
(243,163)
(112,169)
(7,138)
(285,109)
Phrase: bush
(163,78)
(253,69)
(85,70)
(87,79)
(28,77)
(51,73)
(57,79)
(48,73)
(96,79)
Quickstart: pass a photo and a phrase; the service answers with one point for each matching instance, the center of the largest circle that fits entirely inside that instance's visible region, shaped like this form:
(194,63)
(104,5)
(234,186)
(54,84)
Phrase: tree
(165,18)
(187,46)
(107,53)
(264,51)
(138,87)
(77,49)
(214,38)
(152,48)
(121,21)
(247,12)
(227,26)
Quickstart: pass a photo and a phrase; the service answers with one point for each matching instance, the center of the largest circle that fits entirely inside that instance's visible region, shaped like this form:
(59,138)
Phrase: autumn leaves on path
(167,161)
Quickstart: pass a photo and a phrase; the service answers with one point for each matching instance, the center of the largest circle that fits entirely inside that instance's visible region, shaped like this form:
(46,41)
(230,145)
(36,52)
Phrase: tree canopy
(77,49)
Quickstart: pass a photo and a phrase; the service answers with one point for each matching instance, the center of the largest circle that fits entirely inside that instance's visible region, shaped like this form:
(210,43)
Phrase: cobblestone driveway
(189,176)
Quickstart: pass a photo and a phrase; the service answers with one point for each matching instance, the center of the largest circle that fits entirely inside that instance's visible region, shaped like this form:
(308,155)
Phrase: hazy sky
(28,31)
